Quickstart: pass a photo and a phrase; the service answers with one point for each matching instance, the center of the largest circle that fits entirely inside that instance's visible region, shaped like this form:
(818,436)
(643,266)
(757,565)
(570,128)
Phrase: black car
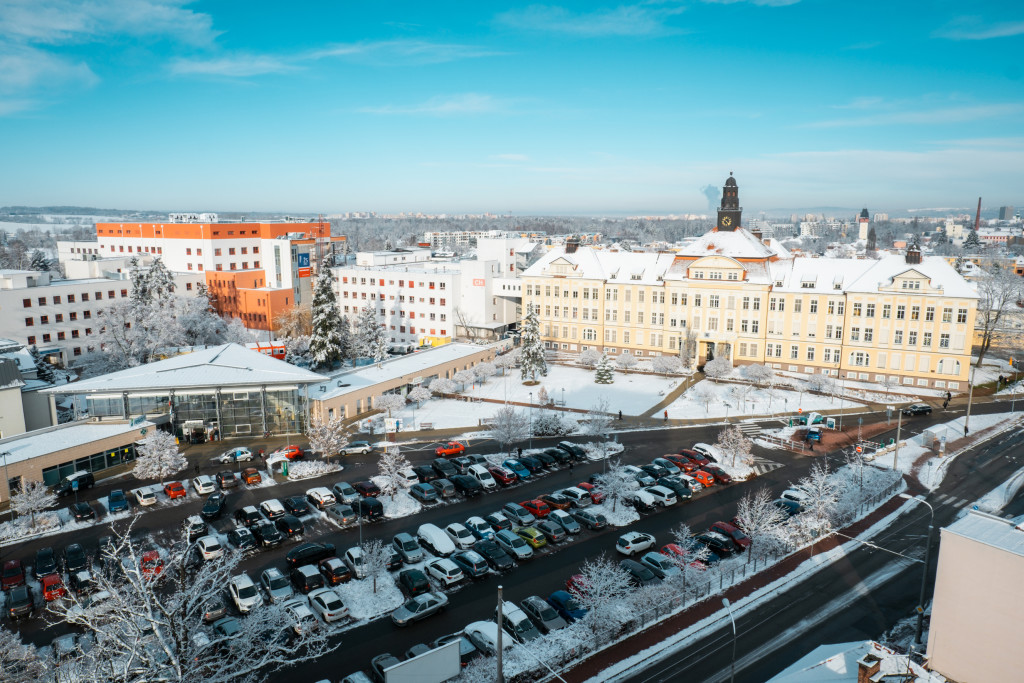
(719,544)
(227,479)
(560,456)
(498,522)
(656,471)
(495,555)
(918,409)
(575,451)
(381,662)
(546,460)
(45,564)
(368,508)
(65,487)
(248,516)
(366,489)
(639,575)
(82,512)
(19,603)
(425,473)
(531,463)
(394,559)
(241,538)
(413,582)
(309,553)
(290,526)
(676,486)
(74,558)
(462,463)
(213,508)
(267,534)
(296,505)
(444,468)
(467,485)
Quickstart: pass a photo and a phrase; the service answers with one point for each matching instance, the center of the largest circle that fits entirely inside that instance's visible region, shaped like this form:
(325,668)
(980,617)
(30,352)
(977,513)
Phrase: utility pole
(896,451)
(970,397)
(501,671)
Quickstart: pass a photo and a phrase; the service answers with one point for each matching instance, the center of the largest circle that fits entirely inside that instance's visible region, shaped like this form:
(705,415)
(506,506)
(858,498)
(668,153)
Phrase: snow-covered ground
(401,505)
(996,499)
(623,515)
(308,469)
(446,413)
(631,393)
(732,399)
(363,604)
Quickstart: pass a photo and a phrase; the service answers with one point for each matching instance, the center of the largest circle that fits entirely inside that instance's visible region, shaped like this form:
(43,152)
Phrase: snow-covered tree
(159,282)
(972,241)
(296,321)
(325,341)
(44,371)
(19,662)
(327,437)
(717,368)
(761,521)
(483,371)
(602,588)
(821,383)
(703,394)
(464,377)
(39,262)
(507,360)
(158,457)
(688,347)
(371,338)
(958,264)
(599,423)
(153,628)
(420,395)
(388,402)
(442,386)
(510,426)
(553,423)
(375,561)
(734,445)
(617,484)
(667,364)
(759,374)
(999,290)
(390,464)
(32,498)
(625,361)
(531,359)
(823,494)
(589,358)
(542,397)
(604,373)
(346,340)
(296,350)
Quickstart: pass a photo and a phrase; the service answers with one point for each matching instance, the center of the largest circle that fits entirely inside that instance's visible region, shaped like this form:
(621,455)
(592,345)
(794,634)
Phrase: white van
(407,477)
(480,473)
(435,540)
(145,495)
(665,496)
(708,451)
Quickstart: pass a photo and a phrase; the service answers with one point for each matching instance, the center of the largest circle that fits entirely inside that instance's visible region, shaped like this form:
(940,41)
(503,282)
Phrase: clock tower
(730,212)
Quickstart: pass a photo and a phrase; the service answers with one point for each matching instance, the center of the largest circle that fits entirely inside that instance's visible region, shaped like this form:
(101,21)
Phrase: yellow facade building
(731,294)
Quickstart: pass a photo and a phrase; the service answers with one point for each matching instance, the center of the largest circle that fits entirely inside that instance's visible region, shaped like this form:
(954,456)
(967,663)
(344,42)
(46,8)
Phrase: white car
(633,542)
(243,593)
(235,455)
(276,584)
(362,447)
(353,558)
(796,495)
(479,527)
(327,603)
(694,485)
(579,497)
(301,616)
(480,473)
(664,496)
(320,497)
(204,484)
(460,535)
(272,509)
(144,495)
(407,477)
(484,635)
(209,547)
(445,571)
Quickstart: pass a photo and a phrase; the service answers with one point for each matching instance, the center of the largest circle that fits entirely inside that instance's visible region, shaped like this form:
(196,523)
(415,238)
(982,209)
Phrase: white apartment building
(463,238)
(393,257)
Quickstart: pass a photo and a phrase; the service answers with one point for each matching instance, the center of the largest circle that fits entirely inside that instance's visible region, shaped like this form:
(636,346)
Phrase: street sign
(142,431)
(890,407)
(74,484)
(858,449)
(799,410)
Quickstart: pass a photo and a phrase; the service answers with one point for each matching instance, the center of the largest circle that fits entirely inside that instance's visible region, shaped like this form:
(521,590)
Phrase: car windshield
(212,546)
(278,582)
(12,570)
(247,592)
(409,545)
(517,542)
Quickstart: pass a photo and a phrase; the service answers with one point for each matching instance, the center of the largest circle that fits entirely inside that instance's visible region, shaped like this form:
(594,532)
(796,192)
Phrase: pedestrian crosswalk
(764,465)
(946,499)
(749,428)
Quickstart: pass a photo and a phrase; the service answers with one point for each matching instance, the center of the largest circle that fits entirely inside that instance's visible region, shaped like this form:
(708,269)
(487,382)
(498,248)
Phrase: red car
(556,501)
(53,587)
(503,476)
(741,539)
(595,495)
(452,448)
(290,452)
(14,574)
(576,584)
(718,473)
(704,477)
(174,490)
(676,552)
(539,508)
(152,564)
(694,456)
(251,475)
(685,464)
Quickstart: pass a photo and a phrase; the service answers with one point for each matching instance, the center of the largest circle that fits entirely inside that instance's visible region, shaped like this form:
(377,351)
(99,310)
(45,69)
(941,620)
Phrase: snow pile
(307,469)
(741,471)
(996,499)
(623,515)
(595,450)
(363,604)
(46,524)
(399,505)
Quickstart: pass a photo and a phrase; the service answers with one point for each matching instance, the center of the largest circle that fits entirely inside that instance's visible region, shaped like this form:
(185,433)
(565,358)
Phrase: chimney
(572,243)
(867,667)
(913,254)
(756,233)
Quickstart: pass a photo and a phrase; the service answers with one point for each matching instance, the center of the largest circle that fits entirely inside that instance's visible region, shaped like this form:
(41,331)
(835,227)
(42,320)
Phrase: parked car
(425,473)
(547,461)
(419,607)
(82,512)
(13,574)
(592,521)
(706,479)
(241,538)
(667,465)
(357,447)
(484,635)
(334,570)
(19,603)
(483,477)
(425,493)
(518,514)
(596,496)
(444,468)
(251,476)
(344,493)
(209,548)
(467,650)
(368,509)
(575,451)
(66,486)
(194,527)
(662,566)
(291,526)
(309,553)
(248,516)
(53,587)
(74,558)
(917,409)
(408,547)
(340,514)
(498,521)
(720,475)
(537,508)
(502,475)
(553,531)
(243,593)
(300,616)
(435,540)
(381,662)
(226,479)
(517,468)
(560,456)
(641,500)
(235,455)
(355,560)
(533,536)
(695,486)
(640,574)
(445,571)
(213,508)
(296,505)
(565,520)
(276,585)
(676,486)
(513,545)
(290,452)
(578,497)
(517,623)
(117,501)
(471,563)
(555,501)
(328,604)
(444,488)
(566,606)
(451,448)
(407,477)
(543,614)
(479,527)
(682,462)
(320,497)
(656,471)
(711,453)
(467,485)
(266,534)
(633,542)
(790,507)
(531,463)
(695,456)
(272,509)
(460,535)
(741,540)
(663,495)
(414,582)
(174,489)
(720,544)
(307,578)
(494,554)
(45,564)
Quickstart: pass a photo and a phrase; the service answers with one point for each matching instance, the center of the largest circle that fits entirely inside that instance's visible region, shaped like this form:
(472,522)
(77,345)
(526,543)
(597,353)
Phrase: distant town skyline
(570,108)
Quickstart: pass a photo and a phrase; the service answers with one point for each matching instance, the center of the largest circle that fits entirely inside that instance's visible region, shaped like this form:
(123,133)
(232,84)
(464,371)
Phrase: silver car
(420,607)
(543,614)
(513,545)
(276,584)
(408,547)
(344,492)
(566,521)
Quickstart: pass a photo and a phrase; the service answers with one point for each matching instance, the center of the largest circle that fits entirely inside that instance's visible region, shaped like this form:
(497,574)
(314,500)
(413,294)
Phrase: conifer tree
(345,339)
(972,241)
(39,262)
(44,371)
(604,373)
(325,342)
(531,360)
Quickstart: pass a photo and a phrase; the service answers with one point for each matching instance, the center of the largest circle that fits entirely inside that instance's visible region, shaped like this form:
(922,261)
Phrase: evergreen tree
(39,262)
(44,371)
(531,360)
(959,263)
(940,236)
(140,294)
(388,244)
(371,337)
(159,282)
(972,241)
(604,373)
(345,340)
(325,342)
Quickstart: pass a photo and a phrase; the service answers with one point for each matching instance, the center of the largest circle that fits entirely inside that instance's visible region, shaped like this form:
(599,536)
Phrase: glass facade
(92,463)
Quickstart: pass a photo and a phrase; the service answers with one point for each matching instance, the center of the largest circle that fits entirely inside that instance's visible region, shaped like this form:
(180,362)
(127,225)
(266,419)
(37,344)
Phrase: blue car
(517,467)
(566,606)
(116,501)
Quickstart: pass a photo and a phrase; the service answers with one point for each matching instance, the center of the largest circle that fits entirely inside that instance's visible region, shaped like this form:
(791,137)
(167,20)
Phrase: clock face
(726,221)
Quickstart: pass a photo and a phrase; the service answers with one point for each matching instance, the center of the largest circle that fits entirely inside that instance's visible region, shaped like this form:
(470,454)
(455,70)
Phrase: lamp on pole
(500,652)
(927,560)
(7,479)
(732,668)
(970,397)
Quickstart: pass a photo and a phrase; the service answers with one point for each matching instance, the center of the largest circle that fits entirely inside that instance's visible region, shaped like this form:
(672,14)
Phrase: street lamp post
(531,420)
(732,668)
(927,560)
(7,478)
(970,397)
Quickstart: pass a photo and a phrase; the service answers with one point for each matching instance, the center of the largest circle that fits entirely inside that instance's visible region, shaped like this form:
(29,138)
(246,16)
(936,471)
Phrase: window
(912,338)
(216,251)
(59,317)
(947,315)
(929,314)
(794,352)
(757,303)
(713,301)
(887,311)
(961,315)
(26,303)
(746,303)
(828,356)
(46,339)
(696,299)
(29,322)
(810,353)
(85,296)
(44,320)
(943,341)
(73,316)
(840,307)
(901,312)
(897,337)
(854,334)
(870,311)
(869,334)
(814,306)
(831,307)
(926,339)
(839,331)
(860,358)
(915,312)
(42,301)
(798,305)
(857,308)
(32,340)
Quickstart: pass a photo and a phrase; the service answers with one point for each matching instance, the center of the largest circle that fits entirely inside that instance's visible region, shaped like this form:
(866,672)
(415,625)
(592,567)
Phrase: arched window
(948,366)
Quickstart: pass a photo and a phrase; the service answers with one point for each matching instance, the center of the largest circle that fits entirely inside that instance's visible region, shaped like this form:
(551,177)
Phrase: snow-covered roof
(23,357)
(227,365)
(989,530)
(619,267)
(10,375)
(413,364)
(739,243)
(838,664)
(55,439)
(865,275)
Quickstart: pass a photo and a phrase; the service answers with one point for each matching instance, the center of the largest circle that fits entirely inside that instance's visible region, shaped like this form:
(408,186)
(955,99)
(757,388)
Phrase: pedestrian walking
(965,430)
(666,416)
(570,469)
(520,451)
(197,468)
(620,416)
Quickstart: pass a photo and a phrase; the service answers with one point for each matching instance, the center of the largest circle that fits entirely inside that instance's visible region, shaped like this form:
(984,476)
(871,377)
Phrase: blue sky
(585,107)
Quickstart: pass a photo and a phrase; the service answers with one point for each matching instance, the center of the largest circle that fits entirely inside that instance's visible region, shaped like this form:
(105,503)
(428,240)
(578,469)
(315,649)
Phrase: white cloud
(236,66)
(927,117)
(762,3)
(23,67)
(403,52)
(974,28)
(449,105)
(644,19)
